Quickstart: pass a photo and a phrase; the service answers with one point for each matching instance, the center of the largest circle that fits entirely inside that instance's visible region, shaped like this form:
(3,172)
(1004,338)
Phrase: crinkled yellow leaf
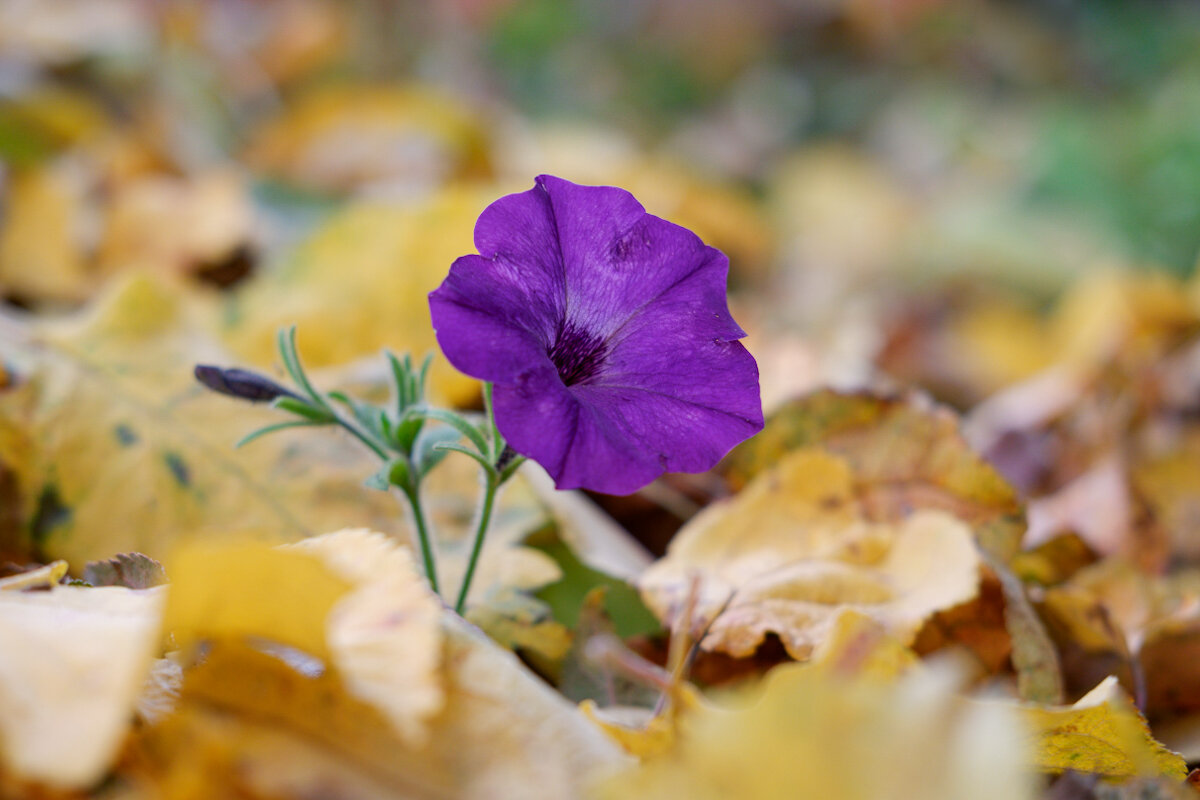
(238,589)
(1102,733)
(384,635)
(860,646)
(360,283)
(905,453)
(807,734)
(72,662)
(792,552)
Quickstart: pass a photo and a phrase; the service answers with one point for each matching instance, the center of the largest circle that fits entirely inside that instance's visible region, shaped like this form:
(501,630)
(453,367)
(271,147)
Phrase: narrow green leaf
(302,408)
(483,462)
(459,424)
(296,423)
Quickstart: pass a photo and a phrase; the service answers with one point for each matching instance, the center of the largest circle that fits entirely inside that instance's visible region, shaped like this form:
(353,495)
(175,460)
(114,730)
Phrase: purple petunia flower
(606,334)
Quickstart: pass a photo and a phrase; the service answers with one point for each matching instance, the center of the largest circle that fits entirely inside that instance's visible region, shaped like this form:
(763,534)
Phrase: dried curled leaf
(131,570)
(72,662)
(792,553)
(406,700)
(384,635)
(904,452)
(240,589)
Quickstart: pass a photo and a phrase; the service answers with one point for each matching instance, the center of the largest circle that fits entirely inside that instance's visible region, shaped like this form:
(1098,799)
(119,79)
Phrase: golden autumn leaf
(360,283)
(384,635)
(114,447)
(1102,733)
(905,453)
(793,552)
(235,589)
(72,662)
(462,718)
(42,242)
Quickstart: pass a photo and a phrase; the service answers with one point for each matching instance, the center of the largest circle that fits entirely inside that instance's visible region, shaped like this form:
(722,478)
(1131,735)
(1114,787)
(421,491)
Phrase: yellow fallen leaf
(804,733)
(232,589)
(42,253)
(1102,733)
(340,138)
(72,662)
(360,283)
(905,453)
(384,635)
(114,447)
(792,553)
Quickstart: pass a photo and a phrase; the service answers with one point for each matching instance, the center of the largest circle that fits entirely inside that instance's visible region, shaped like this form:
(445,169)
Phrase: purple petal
(491,321)
(616,257)
(577,444)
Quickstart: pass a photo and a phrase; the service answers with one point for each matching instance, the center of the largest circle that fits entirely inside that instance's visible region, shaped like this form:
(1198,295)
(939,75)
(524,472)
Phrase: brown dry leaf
(977,630)
(793,552)
(341,138)
(72,662)
(360,283)
(904,452)
(132,570)
(1102,733)
(804,733)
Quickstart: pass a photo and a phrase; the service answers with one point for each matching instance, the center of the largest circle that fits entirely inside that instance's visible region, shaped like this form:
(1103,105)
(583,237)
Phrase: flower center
(577,354)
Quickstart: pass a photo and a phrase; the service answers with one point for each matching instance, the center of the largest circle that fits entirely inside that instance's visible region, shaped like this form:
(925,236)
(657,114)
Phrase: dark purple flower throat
(577,354)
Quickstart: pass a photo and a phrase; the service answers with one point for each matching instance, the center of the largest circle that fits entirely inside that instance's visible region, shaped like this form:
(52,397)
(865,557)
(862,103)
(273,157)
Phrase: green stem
(485,516)
(494,437)
(414,501)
